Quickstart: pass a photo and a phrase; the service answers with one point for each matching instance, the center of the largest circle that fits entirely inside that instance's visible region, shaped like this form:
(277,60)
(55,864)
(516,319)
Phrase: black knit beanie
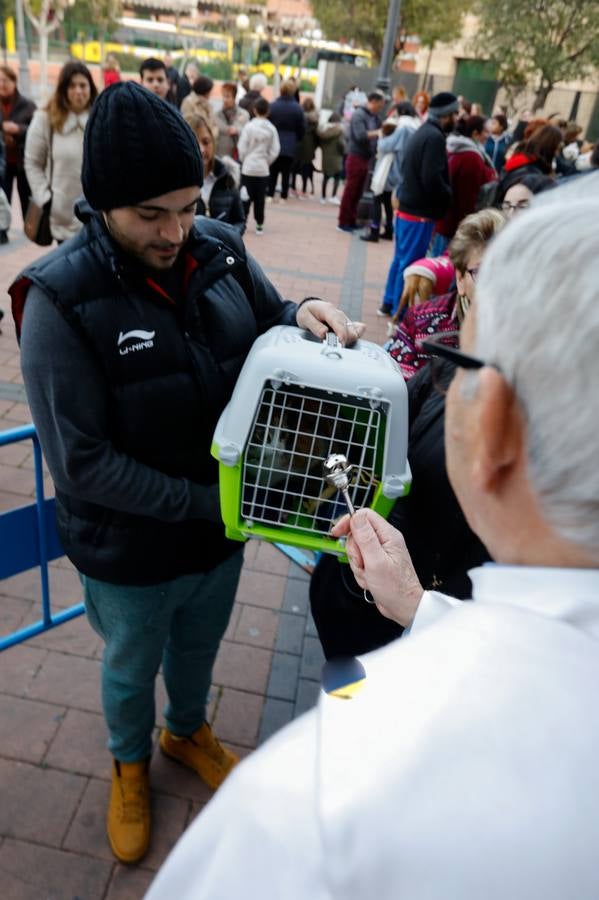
(136,147)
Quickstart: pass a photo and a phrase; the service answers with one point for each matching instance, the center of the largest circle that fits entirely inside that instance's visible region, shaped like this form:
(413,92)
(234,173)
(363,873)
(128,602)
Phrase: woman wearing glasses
(440,542)
(518,194)
(445,314)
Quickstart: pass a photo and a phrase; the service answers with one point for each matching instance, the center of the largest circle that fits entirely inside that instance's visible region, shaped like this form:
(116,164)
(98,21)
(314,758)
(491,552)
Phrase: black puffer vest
(170,370)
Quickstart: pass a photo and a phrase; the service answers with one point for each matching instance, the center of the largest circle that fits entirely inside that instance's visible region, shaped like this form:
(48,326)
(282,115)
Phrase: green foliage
(361,20)
(434,21)
(539,42)
(365,20)
(94,18)
(7,8)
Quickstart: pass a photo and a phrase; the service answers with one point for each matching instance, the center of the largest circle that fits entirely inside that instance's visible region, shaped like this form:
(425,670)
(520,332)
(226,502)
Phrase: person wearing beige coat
(54,149)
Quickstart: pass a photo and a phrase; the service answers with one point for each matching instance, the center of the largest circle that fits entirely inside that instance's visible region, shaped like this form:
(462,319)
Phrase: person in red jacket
(469,169)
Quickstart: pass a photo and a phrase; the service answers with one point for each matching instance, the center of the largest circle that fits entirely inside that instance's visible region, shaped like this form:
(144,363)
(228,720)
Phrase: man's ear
(500,433)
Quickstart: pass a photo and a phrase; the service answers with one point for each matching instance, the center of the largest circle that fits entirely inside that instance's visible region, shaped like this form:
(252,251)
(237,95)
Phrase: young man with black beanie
(424,193)
(132,336)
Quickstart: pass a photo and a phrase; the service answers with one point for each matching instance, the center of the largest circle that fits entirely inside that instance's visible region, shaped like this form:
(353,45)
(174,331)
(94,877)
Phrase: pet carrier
(298,401)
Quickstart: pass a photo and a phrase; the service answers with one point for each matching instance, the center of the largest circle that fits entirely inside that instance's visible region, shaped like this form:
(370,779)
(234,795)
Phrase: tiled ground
(54,767)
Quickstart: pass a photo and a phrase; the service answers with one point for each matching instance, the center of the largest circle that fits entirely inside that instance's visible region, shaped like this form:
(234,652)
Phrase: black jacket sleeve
(269,307)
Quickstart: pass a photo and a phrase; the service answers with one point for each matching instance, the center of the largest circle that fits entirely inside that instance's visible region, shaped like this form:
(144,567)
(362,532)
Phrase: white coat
(258,147)
(63,160)
(466,768)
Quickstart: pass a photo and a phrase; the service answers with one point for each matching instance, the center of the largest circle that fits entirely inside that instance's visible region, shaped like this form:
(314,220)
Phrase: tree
(93,18)
(45,16)
(539,42)
(432,20)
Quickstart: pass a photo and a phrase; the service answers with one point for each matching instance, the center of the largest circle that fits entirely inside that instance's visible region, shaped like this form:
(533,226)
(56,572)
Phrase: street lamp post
(384,80)
(243,23)
(24,80)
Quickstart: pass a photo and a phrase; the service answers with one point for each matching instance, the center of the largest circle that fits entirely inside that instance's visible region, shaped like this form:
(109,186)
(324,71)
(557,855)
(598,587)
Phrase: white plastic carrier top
(318,382)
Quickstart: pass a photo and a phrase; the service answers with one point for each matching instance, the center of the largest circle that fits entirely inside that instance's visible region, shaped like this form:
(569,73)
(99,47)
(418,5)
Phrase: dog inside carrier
(298,403)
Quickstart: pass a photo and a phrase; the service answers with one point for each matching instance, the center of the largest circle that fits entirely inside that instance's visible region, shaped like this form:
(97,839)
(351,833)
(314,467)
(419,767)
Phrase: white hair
(258,81)
(538,320)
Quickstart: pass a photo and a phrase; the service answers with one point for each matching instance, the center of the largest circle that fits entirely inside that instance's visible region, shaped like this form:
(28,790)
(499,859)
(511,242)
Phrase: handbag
(381,173)
(37,223)
(37,218)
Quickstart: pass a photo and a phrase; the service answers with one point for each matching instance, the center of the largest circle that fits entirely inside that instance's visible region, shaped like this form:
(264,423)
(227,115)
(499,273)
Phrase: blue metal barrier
(28,538)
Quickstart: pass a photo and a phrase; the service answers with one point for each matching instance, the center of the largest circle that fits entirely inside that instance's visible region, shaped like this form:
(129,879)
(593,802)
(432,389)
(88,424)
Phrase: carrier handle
(332,346)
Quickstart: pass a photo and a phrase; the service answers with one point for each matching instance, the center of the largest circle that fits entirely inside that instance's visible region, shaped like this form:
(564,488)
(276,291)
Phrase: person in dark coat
(535,157)
(258,82)
(424,193)
(288,118)
(364,129)
(469,169)
(220,198)
(151,312)
(306,149)
(16,113)
(498,141)
(442,545)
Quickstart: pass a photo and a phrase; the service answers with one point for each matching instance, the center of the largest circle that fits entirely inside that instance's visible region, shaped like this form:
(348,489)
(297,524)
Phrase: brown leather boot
(202,752)
(128,823)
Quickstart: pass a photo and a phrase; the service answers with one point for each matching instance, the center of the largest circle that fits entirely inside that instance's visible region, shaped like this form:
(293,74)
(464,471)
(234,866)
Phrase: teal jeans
(178,624)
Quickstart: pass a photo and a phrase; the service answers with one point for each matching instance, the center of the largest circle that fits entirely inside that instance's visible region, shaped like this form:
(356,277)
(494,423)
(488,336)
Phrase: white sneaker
(322,200)
(269,200)
(335,201)
(259,229)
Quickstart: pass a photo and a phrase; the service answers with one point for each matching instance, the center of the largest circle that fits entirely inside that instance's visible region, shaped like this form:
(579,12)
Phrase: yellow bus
(300,55)
(143,37)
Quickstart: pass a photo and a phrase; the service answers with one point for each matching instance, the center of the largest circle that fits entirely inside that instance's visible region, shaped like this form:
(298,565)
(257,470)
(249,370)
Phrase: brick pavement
(54,767)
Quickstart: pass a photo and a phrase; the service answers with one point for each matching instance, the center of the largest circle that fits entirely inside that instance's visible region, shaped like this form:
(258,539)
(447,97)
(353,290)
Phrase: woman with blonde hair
(54,148)
(220,198)
(444,314)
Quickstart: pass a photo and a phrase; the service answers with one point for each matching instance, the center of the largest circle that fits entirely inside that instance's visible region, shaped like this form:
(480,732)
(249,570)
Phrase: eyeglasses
(506,206)
(473,273)
(446,360)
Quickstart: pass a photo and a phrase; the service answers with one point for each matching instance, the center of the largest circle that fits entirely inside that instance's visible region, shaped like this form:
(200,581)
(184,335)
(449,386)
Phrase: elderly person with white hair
(258,82)
(466,767)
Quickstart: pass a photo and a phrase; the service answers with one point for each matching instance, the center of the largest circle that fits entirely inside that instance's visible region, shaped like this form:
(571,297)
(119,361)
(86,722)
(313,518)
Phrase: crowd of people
(151,304)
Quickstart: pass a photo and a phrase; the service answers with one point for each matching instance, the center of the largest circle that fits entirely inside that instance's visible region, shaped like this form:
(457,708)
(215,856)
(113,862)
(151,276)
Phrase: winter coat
(2,160)
(516,167)
(425,188)
(227,144)
(422,321)
(306,148)
(288,118)
(396,143)
(363,121)
(332,146)
(224,203)
(196,104)
(258,147)
(136,486)
(469,169)
(61,162)
(21,112)
(496,148)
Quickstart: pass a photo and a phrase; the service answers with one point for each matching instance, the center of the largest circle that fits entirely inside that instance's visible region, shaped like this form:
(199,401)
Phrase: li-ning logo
(145,340)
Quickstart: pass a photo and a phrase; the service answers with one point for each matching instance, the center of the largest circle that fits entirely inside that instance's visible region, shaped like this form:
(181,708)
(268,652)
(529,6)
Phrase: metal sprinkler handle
(336,469)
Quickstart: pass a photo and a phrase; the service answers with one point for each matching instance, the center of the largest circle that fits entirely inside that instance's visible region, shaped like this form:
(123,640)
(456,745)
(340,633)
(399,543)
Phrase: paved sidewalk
(54,766)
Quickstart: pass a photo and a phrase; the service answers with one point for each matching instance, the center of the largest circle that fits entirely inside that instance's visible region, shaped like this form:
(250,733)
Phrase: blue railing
(28,538)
